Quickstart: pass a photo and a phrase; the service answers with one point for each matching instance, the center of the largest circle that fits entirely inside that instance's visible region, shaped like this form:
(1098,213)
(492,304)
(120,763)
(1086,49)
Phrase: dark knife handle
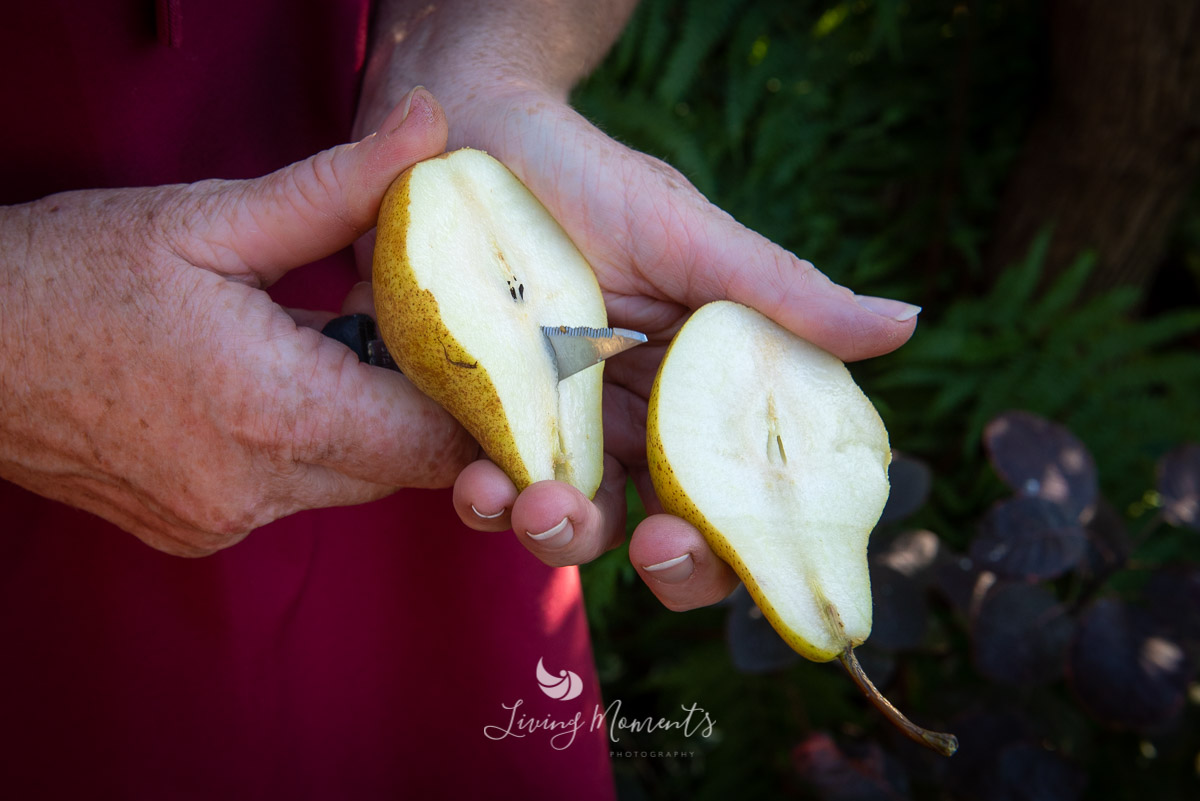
(359,333)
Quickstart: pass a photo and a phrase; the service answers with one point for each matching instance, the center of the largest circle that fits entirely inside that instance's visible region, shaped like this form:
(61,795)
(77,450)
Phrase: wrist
(463,87)
(477,52)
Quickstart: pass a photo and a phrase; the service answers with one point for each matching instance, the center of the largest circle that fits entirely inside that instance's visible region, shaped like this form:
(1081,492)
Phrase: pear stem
(944,744)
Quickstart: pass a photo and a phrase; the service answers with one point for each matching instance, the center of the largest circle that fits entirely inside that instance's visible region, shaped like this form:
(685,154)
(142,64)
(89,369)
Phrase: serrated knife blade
(575,348)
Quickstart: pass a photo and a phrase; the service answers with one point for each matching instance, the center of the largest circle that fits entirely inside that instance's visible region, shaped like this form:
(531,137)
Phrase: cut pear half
(764,442)
(468,268)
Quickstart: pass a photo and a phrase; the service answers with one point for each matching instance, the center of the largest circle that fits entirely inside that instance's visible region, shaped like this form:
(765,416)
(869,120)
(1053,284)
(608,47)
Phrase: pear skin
(468,266)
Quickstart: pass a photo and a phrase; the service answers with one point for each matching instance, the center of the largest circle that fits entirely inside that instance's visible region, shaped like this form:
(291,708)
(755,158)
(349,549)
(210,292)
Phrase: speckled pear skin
(411,326)
(491,212)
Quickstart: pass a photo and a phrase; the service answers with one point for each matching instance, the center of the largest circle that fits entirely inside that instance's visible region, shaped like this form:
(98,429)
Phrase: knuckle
(217,528)
(214,518)
(315,186)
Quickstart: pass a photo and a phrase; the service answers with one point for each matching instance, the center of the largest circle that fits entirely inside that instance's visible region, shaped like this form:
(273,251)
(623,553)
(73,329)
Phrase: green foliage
(844,132)
(1125,385)
(874,137)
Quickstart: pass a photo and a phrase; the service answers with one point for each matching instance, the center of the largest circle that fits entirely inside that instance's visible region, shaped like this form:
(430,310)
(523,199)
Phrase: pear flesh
(765,439)
(764,442)
(468,268)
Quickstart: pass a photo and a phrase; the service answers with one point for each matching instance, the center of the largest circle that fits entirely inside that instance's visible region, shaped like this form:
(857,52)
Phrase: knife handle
(359,333)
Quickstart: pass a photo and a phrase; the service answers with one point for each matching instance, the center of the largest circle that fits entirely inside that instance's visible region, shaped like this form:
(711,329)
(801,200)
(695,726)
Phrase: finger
(677,564)
(360,299)
(365,423)
(318,486)
(364,253)
(560,526)
(801,298)
(732,262)
(310,318)
(258,230)
(484,497)
(624,424)
(689,250)
(676,246)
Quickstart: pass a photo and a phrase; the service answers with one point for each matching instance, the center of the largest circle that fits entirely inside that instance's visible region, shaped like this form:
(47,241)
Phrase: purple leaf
(1179,486)
(910,481)
(1108,545)
(836,776)
(959,580)
(1028,772)
(1041,459)
(1172,596)
(1020,635)
(1123,671)
(1028,538)
(914,554)
(900,615)
(983,736)
(754,646)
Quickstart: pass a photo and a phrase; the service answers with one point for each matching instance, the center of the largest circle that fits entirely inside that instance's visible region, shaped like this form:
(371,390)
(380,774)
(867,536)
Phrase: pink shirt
(366,652)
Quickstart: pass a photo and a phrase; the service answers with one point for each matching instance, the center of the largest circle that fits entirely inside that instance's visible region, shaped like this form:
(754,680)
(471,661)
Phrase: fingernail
(557,537)
(482,516)
(673,571)
(405,104)
(896,310)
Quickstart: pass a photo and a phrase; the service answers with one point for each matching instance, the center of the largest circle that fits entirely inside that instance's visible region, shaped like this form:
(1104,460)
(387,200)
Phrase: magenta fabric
(343,653)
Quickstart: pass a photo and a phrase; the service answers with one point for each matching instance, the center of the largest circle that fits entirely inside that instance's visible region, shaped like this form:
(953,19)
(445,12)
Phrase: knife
(575,348)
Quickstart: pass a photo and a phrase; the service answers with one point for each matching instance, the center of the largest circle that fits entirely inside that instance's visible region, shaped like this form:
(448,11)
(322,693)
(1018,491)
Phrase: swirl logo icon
(565,686)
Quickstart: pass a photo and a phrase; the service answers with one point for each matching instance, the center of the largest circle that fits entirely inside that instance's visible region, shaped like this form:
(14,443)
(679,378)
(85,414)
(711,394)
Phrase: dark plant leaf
(1042,459)
(1028,537)
(900,615)
(1029,772)
(914,554)
(877,663)
(910,482)
(754,646)
(835,775)
(1172,597)
(1124,672)
(959,580)
(1108,545)
(982,737)
(1179,485)
(1020,635)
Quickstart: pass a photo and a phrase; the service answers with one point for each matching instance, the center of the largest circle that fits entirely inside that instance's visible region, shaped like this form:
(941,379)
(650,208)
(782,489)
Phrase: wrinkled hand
(659,250)
(147,377)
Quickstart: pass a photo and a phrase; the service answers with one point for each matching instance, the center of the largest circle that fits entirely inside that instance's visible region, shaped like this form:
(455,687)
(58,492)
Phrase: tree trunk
(1114,153)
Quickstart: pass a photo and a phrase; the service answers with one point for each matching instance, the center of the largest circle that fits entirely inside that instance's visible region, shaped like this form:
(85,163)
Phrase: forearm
(463,50)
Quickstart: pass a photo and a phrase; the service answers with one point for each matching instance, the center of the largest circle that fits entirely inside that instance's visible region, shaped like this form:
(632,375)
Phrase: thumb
(258,230)
(759,273)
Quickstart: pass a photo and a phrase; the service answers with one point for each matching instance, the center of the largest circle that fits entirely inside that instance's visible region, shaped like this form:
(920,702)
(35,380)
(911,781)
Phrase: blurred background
(1026,171)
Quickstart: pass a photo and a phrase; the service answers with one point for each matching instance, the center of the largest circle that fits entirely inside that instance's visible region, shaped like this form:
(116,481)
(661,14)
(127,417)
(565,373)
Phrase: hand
(659,249)
(147,377)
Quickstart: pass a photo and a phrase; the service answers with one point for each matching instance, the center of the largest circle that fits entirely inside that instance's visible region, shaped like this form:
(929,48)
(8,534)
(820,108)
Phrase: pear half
(468,267)
(764,442)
